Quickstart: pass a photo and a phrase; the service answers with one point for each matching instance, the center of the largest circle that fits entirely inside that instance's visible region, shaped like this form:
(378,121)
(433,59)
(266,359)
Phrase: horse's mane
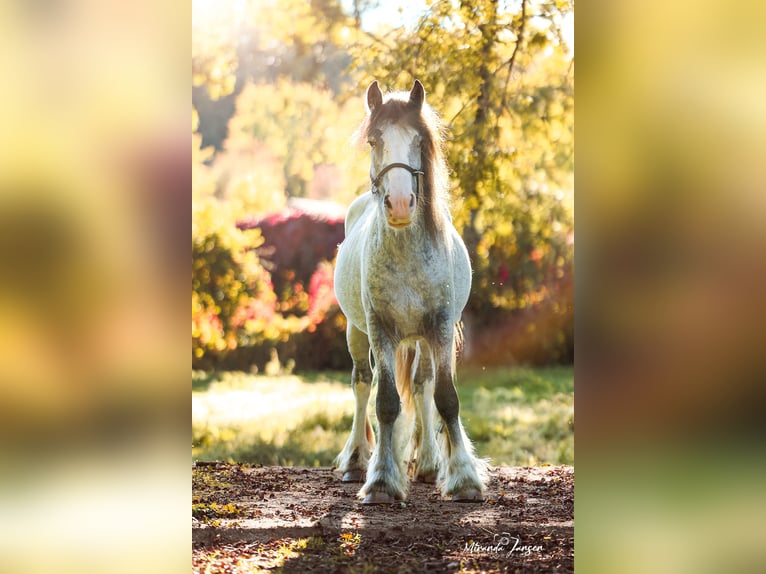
(434,196)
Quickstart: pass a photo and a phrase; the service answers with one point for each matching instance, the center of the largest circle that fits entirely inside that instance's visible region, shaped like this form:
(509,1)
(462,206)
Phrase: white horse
(402,279)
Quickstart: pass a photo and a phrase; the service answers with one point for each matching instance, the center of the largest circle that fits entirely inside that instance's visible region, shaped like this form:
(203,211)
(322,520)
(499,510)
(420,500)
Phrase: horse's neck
(414,239)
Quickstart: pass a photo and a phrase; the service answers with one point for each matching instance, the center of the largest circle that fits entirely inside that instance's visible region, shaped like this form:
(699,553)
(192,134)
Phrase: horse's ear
(417,95)
(374,96)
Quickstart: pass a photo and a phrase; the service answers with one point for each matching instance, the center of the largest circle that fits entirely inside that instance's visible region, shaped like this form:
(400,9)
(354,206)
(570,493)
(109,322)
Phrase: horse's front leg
(463,476)
(386,474)
(353,459)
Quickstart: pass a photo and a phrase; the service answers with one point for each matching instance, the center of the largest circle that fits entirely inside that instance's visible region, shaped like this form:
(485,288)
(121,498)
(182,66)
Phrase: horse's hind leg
(427,461)
(353,459)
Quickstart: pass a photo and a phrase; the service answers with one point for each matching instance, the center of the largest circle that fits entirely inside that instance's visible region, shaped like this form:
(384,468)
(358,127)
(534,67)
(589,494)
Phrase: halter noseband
(416,172)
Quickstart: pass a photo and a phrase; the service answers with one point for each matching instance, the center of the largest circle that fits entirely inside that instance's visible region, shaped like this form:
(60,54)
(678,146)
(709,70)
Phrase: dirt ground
(305,520)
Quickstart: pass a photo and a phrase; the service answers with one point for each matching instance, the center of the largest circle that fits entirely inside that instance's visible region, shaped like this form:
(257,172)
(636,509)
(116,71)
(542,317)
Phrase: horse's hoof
(427,478)
(378,498)
(353,476)
(468,495)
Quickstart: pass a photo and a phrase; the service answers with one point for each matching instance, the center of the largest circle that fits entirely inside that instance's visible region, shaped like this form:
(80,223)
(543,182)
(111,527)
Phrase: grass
(515,416)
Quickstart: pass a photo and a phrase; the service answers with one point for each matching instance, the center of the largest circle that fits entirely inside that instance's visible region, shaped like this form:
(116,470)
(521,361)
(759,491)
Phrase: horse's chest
(406,295)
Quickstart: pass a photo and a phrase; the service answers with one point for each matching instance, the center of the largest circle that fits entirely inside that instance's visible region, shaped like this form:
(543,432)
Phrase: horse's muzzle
(398,223)
(400,209)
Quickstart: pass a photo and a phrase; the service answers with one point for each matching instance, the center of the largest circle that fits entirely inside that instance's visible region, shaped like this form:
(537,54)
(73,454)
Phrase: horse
(402,279)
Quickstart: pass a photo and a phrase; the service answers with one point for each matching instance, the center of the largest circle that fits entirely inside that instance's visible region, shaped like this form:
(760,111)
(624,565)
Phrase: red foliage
(297,240)
(299,247)
(321,294)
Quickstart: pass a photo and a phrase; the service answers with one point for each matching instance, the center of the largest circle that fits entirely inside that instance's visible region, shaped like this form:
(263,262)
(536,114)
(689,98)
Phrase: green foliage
(520,415)
(514,416)
(214,58)
(304,128)
(286,82)
(252,42)
(205,512)
(270,420)
(503,81)
(233,300)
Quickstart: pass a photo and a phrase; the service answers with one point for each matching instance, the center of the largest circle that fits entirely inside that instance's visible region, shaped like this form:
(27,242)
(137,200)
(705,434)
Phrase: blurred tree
(202,184)
(214,37)
(502,77)
(234,306)
(279,88)
(259,42)
(304,128)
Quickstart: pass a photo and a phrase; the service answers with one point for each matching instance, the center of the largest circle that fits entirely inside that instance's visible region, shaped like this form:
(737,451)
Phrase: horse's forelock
(396,109)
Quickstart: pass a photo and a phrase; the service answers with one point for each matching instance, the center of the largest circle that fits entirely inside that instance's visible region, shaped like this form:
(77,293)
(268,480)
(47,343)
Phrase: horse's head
(395,136)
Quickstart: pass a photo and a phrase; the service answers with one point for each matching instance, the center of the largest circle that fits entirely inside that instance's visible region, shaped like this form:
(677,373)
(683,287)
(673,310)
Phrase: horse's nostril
(412,201)
(387,203)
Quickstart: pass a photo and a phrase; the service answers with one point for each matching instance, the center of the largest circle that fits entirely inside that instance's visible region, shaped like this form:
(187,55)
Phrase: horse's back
(348,270)
(461,272)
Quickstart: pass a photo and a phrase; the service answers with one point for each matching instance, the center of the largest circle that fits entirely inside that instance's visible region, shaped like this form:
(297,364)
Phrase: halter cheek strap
(416,172)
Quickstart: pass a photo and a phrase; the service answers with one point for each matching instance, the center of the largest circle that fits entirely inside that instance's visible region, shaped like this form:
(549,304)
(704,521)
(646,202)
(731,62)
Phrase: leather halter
(416,172)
